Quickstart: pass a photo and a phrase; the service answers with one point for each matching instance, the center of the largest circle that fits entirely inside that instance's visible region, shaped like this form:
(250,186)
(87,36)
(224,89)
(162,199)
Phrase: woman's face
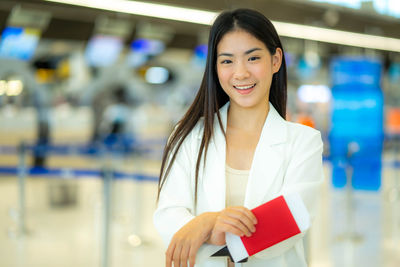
(245,68)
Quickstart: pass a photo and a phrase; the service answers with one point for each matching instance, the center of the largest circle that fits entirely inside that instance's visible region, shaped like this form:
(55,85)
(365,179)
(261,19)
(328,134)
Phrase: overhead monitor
(103,50)
(18,42)
(142,49)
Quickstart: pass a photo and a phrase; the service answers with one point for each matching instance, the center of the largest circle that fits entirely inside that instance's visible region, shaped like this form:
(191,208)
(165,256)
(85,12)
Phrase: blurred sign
(114,27)
(19,43)
(357,121)
(143,49)
(154,31)
(199,58)
(103,50)
(23,17)
(394,72)
(385,7)
(357,112)
(356,70)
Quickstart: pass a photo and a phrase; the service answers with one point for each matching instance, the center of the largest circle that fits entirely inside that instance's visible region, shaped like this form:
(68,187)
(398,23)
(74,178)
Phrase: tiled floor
(64,221)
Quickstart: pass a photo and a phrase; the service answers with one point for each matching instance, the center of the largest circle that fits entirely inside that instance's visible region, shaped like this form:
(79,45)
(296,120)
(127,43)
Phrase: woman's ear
(277,60)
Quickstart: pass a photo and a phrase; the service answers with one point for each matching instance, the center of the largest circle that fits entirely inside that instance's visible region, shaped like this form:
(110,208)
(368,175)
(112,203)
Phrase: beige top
(236,183)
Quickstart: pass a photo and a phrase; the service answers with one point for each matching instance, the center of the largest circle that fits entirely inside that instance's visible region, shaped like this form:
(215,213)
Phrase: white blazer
(287,159)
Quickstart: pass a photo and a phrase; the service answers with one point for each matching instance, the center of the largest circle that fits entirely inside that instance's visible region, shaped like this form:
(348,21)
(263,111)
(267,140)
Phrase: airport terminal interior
(90,91)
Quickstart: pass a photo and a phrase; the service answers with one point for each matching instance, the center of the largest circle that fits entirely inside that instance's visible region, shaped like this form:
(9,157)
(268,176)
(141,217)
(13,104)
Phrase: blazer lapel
(214,173)
(267,160)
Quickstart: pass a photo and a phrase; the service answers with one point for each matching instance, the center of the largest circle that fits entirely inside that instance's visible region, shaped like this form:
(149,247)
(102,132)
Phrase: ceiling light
(147,9)
(337,37)
(14,87)
(314,93)
(207,17)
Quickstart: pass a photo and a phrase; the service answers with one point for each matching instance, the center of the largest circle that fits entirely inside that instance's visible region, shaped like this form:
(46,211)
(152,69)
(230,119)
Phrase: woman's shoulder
(197,131)
(300,132)
(300,128)
(195,134)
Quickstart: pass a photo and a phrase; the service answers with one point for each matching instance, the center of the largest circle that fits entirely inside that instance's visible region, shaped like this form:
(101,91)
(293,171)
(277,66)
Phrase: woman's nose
(241,71)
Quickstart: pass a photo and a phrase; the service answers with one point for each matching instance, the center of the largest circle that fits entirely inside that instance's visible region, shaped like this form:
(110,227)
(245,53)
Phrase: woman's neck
(247,119)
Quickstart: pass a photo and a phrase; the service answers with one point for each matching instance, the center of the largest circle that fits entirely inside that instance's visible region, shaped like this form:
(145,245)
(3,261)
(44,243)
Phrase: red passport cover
(275,223)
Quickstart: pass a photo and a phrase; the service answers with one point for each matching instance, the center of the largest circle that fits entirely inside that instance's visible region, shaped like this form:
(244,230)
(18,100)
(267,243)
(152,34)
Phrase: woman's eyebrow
(225,54)
(252,50)
(246,53)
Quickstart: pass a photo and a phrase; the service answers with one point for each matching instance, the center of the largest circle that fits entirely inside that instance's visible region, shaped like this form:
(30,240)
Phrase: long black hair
(211,97)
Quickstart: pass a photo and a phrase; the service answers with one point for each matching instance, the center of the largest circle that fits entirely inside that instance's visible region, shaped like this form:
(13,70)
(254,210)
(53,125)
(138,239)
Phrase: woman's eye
(253,58)
(226,61)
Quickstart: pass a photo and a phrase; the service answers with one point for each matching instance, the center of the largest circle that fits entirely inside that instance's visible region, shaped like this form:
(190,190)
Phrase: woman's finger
(231,229)
(238,224)
(241,218)
(192,253)
(184,255)
(247,212)
(176,258)
(223,226)
(169,254)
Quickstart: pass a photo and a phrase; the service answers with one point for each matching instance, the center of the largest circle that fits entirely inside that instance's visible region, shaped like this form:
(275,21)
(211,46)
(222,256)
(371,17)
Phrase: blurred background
(90,90)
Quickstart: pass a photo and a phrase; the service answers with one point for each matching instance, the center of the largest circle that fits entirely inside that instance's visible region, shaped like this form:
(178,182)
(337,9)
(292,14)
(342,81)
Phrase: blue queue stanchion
(107,174)
(397,192)
(21,210)
(352,149)
(394,192)
(350,235)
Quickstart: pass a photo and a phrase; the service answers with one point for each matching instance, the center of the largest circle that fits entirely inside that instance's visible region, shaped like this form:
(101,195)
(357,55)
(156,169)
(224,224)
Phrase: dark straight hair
(211,97)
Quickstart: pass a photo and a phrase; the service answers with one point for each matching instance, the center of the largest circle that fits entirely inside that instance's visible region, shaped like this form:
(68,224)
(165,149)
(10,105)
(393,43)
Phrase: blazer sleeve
(176,202)
(304,175)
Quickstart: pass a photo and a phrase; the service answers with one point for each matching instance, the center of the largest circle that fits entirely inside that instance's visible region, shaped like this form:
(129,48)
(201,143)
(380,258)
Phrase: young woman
(233,150)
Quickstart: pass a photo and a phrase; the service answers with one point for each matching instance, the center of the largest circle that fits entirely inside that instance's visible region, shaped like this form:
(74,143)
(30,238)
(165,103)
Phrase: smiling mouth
(244,87)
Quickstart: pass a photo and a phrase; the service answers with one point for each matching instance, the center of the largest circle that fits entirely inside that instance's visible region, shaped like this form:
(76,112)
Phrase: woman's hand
(208,227)
(187,241)
(236,220)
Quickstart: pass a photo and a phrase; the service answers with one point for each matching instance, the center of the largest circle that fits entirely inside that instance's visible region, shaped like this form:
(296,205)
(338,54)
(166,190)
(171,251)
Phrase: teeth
(244,87)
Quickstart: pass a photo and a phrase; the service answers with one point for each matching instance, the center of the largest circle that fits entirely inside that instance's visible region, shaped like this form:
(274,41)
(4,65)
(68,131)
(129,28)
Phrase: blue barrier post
(108,175)
(350,235)
(21,188)
(394,192)
(136,238)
